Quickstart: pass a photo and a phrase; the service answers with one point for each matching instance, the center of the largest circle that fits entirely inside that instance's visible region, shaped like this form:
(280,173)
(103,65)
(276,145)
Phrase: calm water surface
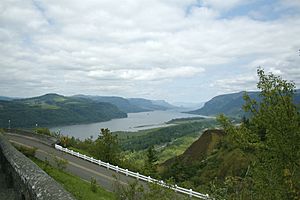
(134,122)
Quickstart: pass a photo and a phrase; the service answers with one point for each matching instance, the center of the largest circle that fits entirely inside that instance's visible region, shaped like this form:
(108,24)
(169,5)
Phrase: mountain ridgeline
(231,104)
(54,109)
(131,105)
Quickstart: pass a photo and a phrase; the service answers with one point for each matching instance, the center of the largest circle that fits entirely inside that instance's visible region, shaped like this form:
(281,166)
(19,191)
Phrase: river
(134,122)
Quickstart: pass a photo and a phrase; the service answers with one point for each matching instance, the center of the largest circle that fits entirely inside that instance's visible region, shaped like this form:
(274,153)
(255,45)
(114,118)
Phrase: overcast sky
(177,50)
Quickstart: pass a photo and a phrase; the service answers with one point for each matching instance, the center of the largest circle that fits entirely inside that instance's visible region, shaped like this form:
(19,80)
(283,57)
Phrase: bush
(27,151)
(43,131)
(61,163)
(93,185)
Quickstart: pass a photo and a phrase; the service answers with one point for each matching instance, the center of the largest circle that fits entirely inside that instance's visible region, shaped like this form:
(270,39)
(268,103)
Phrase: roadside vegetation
(130,149)
(80,189)
(258,159)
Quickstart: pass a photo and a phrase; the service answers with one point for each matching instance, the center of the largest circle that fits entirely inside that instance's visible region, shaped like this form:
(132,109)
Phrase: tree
(150,164)
(107,147)
(273,134)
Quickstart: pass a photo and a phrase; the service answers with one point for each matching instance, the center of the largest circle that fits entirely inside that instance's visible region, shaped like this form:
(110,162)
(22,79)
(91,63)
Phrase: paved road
(76,166)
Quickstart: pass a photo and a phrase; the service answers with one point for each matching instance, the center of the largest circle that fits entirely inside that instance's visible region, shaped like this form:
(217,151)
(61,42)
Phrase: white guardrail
(136,175)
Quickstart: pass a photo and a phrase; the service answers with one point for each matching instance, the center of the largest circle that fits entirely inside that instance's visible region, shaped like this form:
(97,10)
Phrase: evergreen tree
(107,147)
(150,165)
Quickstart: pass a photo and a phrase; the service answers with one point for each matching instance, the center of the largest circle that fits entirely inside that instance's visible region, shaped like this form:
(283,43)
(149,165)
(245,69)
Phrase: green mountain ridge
(123,104)
(131,105)
(231,104)
(149,105)
(54,109)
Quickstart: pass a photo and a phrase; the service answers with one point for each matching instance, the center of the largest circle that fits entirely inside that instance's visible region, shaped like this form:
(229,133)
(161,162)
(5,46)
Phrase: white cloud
(244,82)
(147,74)
(135,45)
(224,5)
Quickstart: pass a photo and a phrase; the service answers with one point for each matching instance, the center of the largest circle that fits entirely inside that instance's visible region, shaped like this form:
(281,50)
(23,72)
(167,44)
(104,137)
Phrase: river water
(134,122)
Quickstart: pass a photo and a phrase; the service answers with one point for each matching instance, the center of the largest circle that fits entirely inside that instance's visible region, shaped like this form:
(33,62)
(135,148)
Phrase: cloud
(147,74)
(224,5)
(244,82)
(140,47)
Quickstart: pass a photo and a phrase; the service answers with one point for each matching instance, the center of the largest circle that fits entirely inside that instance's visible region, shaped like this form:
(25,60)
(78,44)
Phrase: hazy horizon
(178,51)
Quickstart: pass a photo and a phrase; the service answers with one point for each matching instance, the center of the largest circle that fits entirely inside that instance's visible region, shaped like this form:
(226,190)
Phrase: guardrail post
(126,172)
(117,169)
(191,192)
(161,182)
(148,179)
(107,165)
(77,154)
(176,188)
(137,176)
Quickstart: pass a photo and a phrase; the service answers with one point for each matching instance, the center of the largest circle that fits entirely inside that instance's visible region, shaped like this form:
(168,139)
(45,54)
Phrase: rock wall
(27,180)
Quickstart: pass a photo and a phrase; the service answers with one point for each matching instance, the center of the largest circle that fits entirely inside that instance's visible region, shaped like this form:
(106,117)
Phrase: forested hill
(150,104)
(53,109)
(122,103)
(231,104)
(131,105)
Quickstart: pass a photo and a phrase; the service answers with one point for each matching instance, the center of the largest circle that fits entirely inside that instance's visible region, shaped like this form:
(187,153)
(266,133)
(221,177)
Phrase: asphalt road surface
(84,169)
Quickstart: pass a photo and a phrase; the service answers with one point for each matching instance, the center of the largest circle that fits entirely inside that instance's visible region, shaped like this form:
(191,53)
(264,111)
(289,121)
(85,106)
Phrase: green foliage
(52,109)
(27,151)
(176,147)
(164,135)
(136,191)
(61,163)
(272,133)
(43,131)
(257,159)
(106,147)
(150,164)
(93,185)
(79,188)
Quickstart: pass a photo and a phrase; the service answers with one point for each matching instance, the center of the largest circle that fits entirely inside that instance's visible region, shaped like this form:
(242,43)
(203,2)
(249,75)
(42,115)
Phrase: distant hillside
(163,103)
(53,109)
(201,148)
(131,105)
(207,159)
(230,104)
(149,104)
(6,98)
(123,104)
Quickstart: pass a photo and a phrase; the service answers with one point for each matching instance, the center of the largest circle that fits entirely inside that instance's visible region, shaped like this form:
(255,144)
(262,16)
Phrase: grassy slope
(166,150)
(79,188)
(197,166)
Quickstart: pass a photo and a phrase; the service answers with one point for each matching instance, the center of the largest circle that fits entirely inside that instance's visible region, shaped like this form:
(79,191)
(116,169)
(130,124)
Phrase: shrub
(93,185)
(27,151)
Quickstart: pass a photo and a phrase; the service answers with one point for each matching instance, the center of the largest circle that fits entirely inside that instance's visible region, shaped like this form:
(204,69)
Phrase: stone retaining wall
(26,178)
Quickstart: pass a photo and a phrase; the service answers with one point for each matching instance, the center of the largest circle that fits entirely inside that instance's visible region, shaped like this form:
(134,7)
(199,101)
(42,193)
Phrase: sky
(177,50)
